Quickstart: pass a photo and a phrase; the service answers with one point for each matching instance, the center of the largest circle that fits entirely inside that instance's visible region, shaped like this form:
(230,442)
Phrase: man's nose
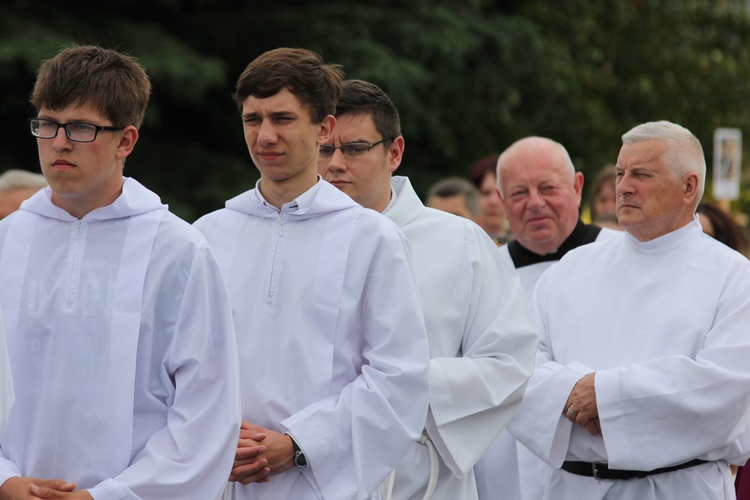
(267,133)
(61,140)
(536,200)
(337,161)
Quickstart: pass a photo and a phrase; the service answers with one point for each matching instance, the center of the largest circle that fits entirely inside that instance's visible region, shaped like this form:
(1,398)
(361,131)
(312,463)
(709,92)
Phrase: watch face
(299,460)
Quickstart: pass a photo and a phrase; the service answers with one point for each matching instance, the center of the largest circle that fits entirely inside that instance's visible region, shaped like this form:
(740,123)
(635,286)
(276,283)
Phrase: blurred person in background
(456,196)
(719,224)
(602,202)
(17,186)
(492,215)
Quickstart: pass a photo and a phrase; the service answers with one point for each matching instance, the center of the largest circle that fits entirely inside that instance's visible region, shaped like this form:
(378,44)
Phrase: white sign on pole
(727,163)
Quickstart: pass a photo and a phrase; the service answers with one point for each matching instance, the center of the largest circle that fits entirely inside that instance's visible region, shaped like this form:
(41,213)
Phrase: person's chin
(540,226)
(627,220)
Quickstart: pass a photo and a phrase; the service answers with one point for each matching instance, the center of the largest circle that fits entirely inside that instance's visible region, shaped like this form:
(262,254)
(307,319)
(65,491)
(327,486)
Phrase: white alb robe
(123,353)
(664,325)
(6,381)
(509,470)
(333,348)
(482,344)
(530,274)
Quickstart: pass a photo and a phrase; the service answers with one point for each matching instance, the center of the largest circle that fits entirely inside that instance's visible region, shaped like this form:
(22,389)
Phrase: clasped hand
(31,488)
(580,408)
(261,453)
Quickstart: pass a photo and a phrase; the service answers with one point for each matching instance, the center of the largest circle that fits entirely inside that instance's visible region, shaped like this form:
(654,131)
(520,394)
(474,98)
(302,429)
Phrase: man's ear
(326,129)
(578,186)
(395,153)
(691,188)
(128,138)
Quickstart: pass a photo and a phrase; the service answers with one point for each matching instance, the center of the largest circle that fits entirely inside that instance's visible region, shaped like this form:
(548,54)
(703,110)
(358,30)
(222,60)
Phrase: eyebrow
(275,114)
(634,169)
(357,141)
(74,120)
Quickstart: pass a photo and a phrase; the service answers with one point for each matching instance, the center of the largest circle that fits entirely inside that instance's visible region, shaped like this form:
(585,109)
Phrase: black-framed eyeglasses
(76,131)
(350,149)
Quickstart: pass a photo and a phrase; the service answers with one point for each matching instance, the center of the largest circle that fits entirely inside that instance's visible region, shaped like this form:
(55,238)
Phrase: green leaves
(468,76)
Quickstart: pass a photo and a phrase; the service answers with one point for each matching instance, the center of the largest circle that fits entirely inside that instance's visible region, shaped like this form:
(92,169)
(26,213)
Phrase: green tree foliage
(182,152)
(468,76)
(452,72)
(641,60)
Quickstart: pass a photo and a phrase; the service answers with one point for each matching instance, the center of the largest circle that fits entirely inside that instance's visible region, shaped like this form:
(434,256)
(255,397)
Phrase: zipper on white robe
(75,268)
(272,277)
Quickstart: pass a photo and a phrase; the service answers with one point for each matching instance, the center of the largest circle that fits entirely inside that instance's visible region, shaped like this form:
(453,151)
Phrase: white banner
(727,163)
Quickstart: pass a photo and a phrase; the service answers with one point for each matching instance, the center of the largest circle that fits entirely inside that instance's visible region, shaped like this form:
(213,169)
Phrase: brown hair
(605,176)
(456,186)
(483,166)
(301,72)
(115,84)
(364,98)
(726,229)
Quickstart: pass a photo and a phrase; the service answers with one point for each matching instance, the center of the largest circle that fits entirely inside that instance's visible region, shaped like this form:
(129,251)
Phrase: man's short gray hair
(684,152)
(456,186)
(13,179)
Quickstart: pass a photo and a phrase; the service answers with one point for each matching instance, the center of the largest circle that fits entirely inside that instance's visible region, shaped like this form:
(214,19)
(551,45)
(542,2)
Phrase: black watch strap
(299,456)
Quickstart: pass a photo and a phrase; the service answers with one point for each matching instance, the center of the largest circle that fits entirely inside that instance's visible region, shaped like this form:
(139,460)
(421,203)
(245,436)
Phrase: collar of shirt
(394,197)
(304,200)
(581,235)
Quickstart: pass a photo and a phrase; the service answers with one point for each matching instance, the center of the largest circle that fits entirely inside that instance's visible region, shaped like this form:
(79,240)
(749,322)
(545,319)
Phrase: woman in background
(720,225)
(603,201)
(492,211)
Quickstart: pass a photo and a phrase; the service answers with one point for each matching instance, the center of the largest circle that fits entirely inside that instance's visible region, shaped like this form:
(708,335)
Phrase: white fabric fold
(332,343)
(122,347)
(664,326)
(482,344)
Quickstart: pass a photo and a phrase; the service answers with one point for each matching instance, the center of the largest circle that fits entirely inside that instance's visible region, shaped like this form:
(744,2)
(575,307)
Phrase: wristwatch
(299,456)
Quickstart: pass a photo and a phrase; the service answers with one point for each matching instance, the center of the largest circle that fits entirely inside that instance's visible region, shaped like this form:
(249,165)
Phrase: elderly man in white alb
(541,192)
(642,386)
(482,340)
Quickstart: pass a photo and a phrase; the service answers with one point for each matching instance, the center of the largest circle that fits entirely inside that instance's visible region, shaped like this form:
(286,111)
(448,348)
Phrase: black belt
(600,470)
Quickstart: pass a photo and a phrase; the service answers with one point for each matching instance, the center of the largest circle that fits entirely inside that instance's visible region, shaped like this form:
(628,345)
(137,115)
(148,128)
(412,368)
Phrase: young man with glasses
(117,319)
(481,337)
(333,349)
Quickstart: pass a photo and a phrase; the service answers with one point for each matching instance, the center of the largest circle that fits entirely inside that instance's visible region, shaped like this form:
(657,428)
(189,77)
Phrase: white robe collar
(668,241)
(408,205)
(134,200)
(320,199)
